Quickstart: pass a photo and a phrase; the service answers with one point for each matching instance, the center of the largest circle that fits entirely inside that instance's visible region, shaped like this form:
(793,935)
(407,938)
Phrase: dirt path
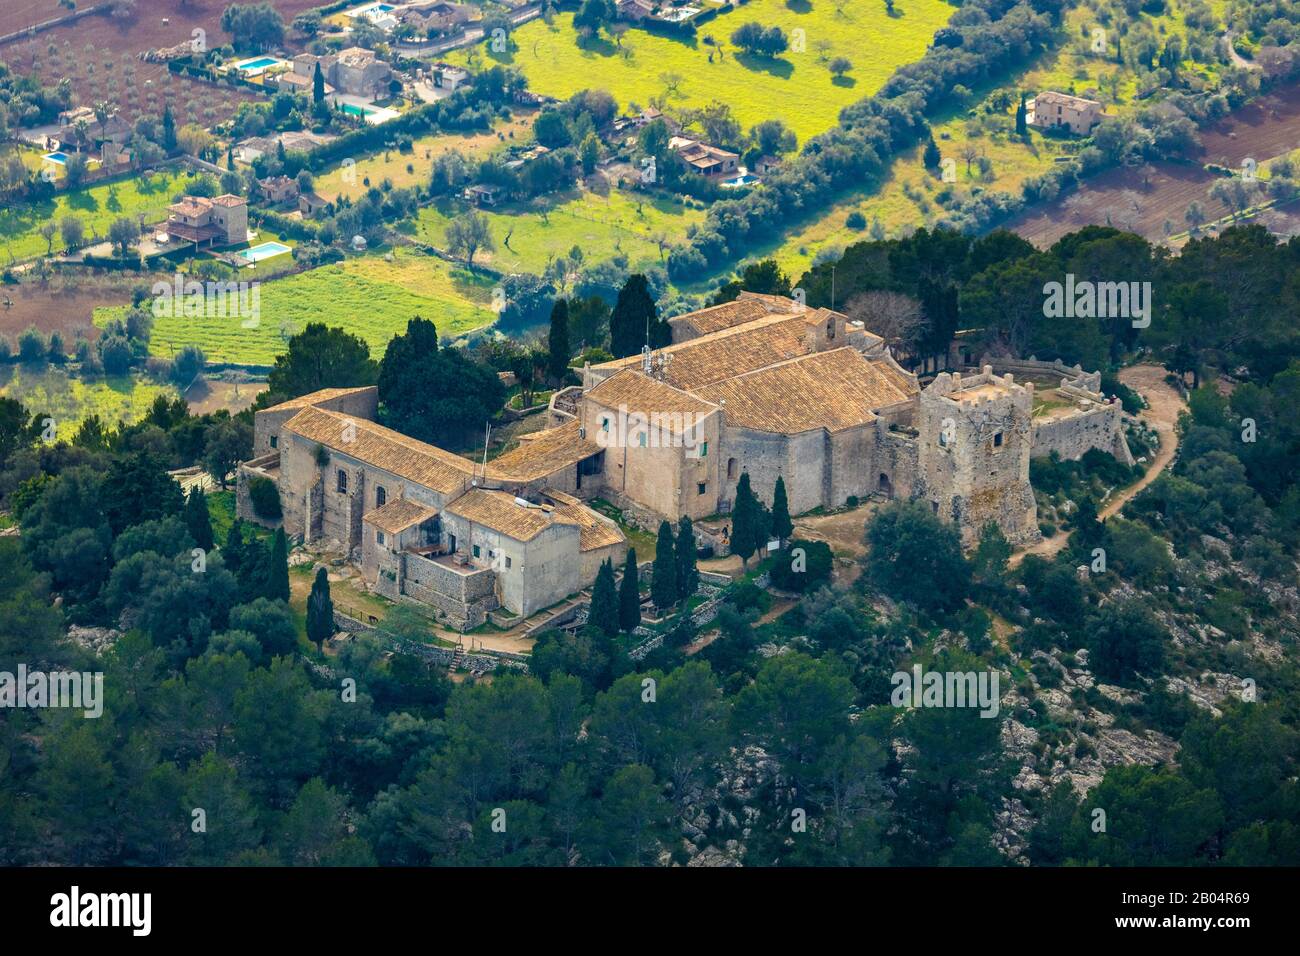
(1164,405)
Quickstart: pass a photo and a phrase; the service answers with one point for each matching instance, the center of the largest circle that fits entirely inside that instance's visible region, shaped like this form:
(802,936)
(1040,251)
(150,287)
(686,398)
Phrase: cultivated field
(797,86)
(370,296)
(99,54)
(97,206)
(64,304)
(1121,198)
(601,225)
(69,399)
(1260,130)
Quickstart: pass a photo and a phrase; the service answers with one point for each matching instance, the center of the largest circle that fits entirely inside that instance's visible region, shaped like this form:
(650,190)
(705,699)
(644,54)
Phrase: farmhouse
(1052,110)
(435,18)
(222,221)
(81,128)
(702,158)
(278,189)
(355,71)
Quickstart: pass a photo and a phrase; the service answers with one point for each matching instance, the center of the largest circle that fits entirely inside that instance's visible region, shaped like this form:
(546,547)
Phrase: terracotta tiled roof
(398,515)
(229,200)
(725,316)
(543,453)
(595,531)
(734,351)
(640,393)
(833,390)
(384,448)
(315,398)
(500,512)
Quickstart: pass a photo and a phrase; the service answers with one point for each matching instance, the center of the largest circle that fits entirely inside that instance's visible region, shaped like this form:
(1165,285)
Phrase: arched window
(381,496)
(731,468)
(830,328)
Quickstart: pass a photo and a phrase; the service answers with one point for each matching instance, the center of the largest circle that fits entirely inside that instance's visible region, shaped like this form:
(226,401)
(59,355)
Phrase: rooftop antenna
(833,286)
(487,438)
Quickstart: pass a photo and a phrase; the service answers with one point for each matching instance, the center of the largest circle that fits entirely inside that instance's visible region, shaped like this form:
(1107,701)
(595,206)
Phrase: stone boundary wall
(1100,426)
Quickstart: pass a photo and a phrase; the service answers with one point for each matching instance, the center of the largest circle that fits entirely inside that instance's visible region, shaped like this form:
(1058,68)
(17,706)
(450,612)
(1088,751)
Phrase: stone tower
(974,445)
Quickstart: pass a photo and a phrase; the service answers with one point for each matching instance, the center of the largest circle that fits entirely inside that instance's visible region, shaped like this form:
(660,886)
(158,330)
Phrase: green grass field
(97,206)
(797,86)
(392,165)
(369,296)
(602,226)
(909,196)
(69,399)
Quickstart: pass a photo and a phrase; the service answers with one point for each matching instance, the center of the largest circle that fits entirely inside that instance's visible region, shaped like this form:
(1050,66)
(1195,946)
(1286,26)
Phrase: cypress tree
(688,575)
(168,130)
(782,526)
(278,579)
(557,341)
(1022,115)
(603,613)
(317,86)
(197,520)
(633,314)
(320,610)
(629,595)
(931,157)
(744,521)
(232,552)
(663,586)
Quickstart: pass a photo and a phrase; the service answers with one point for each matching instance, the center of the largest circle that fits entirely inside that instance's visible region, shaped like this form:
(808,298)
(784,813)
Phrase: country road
(1164,405)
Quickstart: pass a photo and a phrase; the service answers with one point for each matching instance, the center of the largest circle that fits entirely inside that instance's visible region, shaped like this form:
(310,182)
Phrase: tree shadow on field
(770,65)
(799,6)
(847,82)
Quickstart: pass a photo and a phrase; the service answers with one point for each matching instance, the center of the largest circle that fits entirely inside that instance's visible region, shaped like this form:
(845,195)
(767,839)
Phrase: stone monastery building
(761,385)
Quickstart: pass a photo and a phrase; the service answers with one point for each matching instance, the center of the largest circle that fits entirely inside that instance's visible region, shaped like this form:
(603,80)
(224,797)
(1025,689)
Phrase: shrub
(265,498)
(802,566)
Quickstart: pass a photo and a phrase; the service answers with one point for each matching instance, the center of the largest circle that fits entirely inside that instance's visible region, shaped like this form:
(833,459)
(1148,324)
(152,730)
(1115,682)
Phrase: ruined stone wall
(1072,435)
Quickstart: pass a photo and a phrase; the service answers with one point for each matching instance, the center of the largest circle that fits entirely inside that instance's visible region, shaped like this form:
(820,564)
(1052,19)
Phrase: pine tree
(557,341)
(629,595)
(782,526)
(744,521)
(603,613)
(633,316)
(320,610)
(663,586)
(278,579)
(931,156)
(688,575)
(197,520)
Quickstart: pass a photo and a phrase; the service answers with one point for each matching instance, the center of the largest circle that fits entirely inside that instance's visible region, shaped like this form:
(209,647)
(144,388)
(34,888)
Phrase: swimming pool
(742,180)
(58,156)
(259,64)
(353,110)
(264,251)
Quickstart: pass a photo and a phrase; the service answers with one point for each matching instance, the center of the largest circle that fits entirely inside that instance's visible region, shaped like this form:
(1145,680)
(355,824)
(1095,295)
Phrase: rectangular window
(275,440)
(997,440)
(702,488)
(641,439)
(704,449)
(507,561)
(476,551)
(379,537)
(604,424)
(343,482)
